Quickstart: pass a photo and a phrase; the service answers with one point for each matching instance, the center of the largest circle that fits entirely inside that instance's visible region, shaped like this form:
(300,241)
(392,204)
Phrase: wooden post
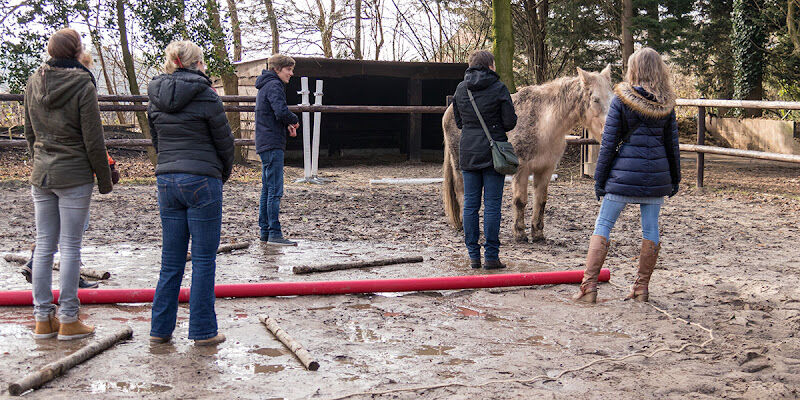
(701,139)
(59,367)
(289,342)
(415,121)
(225,248)
(306,269)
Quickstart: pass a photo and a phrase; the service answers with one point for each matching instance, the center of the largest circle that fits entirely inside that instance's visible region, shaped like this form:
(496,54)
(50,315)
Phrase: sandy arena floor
(729,263)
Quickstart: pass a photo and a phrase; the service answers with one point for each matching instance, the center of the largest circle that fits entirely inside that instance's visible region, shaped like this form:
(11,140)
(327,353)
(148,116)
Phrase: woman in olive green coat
(65,138)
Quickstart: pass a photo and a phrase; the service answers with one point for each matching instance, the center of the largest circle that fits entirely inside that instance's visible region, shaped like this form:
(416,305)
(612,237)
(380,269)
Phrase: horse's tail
(452,208)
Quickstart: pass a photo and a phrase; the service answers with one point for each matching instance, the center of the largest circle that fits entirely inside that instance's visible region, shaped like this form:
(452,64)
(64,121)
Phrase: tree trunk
(98,47)
(236,30)
(130,71)
(627,33)
(357,40)
(273,24)
(748,42)
(325,30)
(791,24)
(540,13)
(503,46)
(230,81)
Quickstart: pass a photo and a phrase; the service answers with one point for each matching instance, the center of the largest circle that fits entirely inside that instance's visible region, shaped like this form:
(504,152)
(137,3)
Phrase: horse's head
(598,87)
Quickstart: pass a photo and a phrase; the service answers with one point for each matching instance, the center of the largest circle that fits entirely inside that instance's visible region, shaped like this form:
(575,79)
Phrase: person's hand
(292,130)
(599,192)
(297,125)
(674,190)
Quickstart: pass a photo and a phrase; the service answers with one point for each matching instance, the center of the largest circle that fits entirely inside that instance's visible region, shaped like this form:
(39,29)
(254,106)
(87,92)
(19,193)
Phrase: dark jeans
(489,183)
(271,193)
(190,206)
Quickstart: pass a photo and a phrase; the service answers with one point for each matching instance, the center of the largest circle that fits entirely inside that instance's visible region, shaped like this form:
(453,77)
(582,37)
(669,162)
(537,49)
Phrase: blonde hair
(647,69)
(182,54)
(279,61)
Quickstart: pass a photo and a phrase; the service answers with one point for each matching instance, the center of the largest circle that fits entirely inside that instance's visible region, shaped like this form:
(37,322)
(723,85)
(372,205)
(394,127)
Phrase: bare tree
(236,30)
(230,81)
(357,39)
(127,59)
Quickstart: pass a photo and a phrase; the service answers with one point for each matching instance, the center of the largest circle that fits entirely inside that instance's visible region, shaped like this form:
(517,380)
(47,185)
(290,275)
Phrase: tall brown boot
(595,257)
(647,262)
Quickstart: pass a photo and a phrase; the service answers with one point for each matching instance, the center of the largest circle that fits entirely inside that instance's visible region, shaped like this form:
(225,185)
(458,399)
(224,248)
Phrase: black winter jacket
(648,164)
(497,109)
(190,130)
(272,114)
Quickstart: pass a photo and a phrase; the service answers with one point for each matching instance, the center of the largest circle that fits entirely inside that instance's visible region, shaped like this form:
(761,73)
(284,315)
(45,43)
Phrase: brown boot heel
(74,330)
(46,329)
(587,298)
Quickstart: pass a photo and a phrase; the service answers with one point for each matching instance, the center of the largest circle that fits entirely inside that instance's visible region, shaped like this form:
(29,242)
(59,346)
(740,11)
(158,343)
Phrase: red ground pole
(107,296)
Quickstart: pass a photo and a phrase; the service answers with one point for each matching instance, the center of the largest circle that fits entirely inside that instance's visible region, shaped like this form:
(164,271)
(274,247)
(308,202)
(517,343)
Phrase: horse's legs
(519,190)
(541,179)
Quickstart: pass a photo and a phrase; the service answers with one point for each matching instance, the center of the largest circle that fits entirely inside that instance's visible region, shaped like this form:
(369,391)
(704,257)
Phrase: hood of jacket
(172,92)
(479,78)
(642,101)
(266,76)
(55,86)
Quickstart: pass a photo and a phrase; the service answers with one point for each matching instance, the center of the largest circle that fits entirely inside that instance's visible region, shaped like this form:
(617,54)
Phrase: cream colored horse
(545,114)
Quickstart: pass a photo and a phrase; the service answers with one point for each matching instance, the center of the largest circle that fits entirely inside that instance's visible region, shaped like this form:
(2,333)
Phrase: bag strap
(628,132)
(480,118)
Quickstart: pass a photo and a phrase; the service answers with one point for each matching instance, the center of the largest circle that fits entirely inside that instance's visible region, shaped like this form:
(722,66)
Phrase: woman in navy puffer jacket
(639,163)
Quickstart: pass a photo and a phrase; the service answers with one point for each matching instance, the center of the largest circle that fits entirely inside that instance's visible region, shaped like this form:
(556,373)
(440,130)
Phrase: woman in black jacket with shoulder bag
(475,156)
(195,157)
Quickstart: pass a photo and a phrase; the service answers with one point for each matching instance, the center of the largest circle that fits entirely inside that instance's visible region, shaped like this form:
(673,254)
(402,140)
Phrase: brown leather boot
(595,257)
(213,341)
(647,262)
(74,330)
(46,329)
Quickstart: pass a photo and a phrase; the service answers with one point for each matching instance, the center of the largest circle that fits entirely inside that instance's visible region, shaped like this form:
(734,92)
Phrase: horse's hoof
(537,237)
(521,239)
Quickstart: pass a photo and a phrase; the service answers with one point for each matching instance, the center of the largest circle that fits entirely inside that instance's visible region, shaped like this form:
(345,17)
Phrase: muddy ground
(729,263)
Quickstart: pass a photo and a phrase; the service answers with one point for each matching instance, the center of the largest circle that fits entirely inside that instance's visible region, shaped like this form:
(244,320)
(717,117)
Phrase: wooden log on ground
(59,367)
(15,258)
(296,348)
(85,272)
(225,248)
(306,269)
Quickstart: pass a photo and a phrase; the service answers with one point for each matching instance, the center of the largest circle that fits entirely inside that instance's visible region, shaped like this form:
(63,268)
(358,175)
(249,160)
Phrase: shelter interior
(365,82)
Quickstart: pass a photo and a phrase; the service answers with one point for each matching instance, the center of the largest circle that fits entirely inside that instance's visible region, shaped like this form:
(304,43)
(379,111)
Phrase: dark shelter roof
(337,68)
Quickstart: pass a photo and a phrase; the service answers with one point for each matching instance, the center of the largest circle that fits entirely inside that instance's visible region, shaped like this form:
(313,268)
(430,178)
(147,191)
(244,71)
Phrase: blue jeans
(489,183)
(271,193)
(190,206)
(610,210)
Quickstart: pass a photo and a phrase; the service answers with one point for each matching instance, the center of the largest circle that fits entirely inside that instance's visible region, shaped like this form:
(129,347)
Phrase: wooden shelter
(366,82)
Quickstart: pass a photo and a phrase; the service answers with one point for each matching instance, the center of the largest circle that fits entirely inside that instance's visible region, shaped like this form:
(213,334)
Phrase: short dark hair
(481,58)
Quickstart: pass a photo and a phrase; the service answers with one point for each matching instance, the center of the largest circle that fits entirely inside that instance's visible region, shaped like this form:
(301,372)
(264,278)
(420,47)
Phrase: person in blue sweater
(639,163)
(273,122)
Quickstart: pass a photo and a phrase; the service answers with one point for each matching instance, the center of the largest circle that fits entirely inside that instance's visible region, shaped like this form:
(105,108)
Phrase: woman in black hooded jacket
(195,157)
(475,156)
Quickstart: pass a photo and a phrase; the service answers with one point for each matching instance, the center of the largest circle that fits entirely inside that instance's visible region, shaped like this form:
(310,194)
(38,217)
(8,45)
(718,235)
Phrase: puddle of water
(270,352)
(128,387)
(365,335)
(162,348)
(267,369)
(15,330)
(433,350)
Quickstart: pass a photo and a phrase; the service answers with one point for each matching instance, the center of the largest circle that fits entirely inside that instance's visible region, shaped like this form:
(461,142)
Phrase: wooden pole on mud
(701,140)
(59,367)
(87,272)
(296,348)
(305,269)
(225,248)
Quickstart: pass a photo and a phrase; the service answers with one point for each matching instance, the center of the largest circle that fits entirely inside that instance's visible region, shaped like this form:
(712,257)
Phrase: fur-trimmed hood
(643,102)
